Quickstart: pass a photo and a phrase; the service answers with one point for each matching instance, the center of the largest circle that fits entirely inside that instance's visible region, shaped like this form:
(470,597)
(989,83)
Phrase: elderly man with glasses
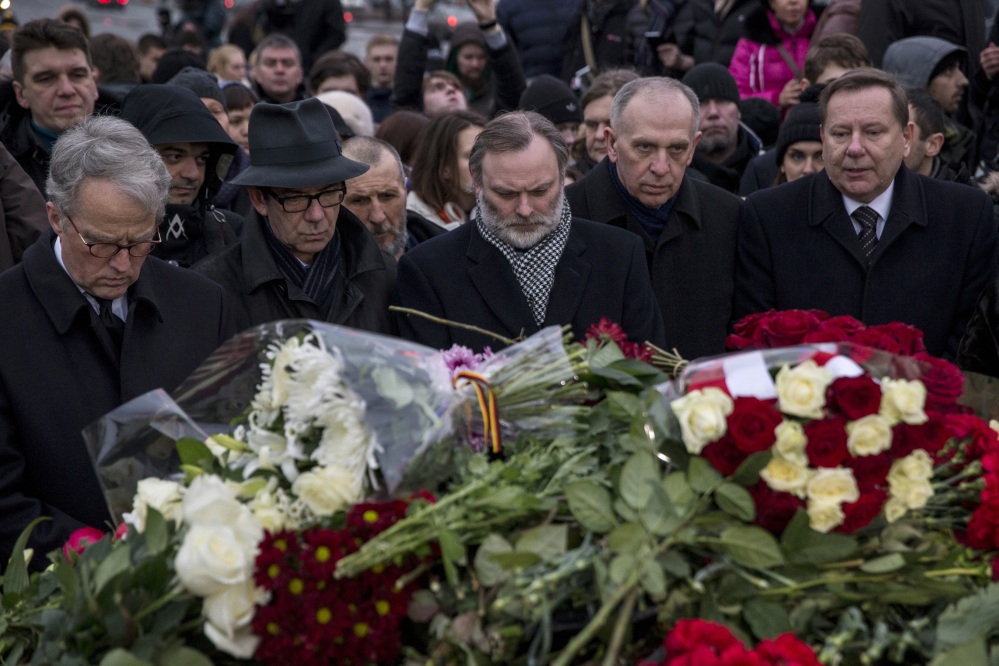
(93,322)
(301,254)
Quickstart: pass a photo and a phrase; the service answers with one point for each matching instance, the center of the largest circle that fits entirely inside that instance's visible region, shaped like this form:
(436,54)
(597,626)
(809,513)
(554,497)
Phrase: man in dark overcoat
(524,262)
(687,226)
(92,322)
(867,237)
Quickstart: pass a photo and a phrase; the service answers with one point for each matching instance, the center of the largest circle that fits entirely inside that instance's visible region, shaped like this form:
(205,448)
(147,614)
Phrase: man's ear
(19,95)
(258,200)
(610,141)
(55,220)
(693,147)
(934,144)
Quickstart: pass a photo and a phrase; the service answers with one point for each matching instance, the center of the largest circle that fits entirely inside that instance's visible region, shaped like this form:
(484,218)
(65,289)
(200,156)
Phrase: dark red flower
(944,382)
(79,540)
(606,329)
(871,471)
(746,332)
(724,455)
(751,424)
(787,650)
(895,337)
(774,509)
(826,442)
(688,634)
(790,327)
(982,438)
(860,513)
(854,397)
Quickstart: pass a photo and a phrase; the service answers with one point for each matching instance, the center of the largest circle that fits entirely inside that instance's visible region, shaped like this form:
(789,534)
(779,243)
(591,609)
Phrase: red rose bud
(724,455)
(751,424)
(790,326)
(854,397)
(80,539)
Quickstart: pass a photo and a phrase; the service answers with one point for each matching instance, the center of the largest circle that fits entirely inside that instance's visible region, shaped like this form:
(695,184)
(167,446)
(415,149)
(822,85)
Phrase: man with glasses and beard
(301,254)
(524,262)
(98,322)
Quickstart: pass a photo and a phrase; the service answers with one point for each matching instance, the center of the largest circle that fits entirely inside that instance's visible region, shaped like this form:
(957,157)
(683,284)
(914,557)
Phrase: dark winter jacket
(537,30)
(701,33)
(609,36)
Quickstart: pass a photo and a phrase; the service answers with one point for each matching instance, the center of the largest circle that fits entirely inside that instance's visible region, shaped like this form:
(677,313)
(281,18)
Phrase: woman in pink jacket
(768,61)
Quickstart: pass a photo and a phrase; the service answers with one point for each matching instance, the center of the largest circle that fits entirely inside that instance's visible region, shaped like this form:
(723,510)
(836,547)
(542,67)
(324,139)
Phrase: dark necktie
(114,326)
(867,218)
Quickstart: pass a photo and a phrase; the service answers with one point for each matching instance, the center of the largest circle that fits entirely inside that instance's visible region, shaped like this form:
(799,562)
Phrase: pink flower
(80,539)
(459,358)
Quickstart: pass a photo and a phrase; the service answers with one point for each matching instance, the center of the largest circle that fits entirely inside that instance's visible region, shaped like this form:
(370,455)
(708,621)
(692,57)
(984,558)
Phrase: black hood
(172,114)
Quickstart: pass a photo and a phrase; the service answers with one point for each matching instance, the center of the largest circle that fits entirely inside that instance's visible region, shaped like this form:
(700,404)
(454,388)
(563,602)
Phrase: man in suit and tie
(867,237)
(524,262)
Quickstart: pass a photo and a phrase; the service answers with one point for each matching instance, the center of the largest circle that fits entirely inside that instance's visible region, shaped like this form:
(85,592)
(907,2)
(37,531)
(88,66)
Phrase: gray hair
(371,151)
(107,148)
(652,85)
(512,132)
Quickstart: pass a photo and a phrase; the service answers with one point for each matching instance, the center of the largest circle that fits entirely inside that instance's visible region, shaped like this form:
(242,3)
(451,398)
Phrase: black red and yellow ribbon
(487,406)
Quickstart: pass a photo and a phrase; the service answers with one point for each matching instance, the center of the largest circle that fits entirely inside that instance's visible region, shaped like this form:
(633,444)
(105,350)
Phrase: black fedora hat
(294,145)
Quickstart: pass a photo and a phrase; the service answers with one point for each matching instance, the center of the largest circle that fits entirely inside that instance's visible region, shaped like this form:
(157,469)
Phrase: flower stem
(620,628)
(456,324)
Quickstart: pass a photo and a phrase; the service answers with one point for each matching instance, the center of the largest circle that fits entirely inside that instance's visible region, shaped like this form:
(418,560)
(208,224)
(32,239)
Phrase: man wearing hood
(480,56)
(197,152)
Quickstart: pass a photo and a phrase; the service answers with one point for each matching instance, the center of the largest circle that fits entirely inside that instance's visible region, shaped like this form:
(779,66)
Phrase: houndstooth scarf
(534,267)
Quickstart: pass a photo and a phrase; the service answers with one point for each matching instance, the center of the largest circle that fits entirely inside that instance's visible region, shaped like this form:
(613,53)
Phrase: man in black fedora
(301,254)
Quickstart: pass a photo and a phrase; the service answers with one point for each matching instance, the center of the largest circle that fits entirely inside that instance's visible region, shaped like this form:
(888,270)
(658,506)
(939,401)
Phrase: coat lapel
(829,212)
(907,208)
(493,279)
(571,275)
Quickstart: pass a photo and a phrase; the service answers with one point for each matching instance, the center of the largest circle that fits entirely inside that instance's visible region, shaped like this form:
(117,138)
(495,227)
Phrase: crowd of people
(671,165)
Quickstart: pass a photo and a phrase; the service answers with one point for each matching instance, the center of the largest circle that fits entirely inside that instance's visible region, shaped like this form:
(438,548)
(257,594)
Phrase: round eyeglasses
(296,203)
(105,250)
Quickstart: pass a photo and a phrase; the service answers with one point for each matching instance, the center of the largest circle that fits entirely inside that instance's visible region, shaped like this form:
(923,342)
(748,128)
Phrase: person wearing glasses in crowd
(98,323)
(301,254)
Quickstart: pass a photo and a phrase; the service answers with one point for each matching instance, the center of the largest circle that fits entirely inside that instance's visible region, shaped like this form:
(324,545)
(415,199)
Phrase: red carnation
(724,455)
(854,397)
(968,426)
(751,424)
(606,329)
(690,633)
(787,650)
(826,442)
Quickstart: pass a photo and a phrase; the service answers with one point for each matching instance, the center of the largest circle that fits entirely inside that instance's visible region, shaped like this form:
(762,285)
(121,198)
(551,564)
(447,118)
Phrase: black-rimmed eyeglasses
(296,203)
(105,250)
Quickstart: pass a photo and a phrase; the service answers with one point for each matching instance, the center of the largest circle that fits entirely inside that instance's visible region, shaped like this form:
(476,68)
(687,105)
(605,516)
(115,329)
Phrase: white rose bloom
(326,490)
(994,424)
(832,486)
(903,400)
(702,415)
(894,509)
(869,435)
(209,499)
(164,496)
(824,517)
(212,557)
(801,391)
(228,614)
(786,476)
(791,441)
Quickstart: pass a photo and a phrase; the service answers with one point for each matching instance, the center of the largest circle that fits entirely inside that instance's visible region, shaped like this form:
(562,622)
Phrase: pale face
(239,127)
(378,199)
(653,147)
(442,95)
(104,214)
(801,159)
(471,61)
(186,163)
(217,109)
(789,12)
(234,68)
(569,131)
(59,88)
(948,88)
(520,197)
(719,125)
(596,118)
(279,73)
(306,233)
(346,83)
(380,61)
(148,62)
(863,144)
(466,139)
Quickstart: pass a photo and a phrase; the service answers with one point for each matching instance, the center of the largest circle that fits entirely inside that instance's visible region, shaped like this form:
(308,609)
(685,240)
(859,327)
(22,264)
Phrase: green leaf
(15,577)
(627,538)
(972,652)
(488,570)
(674,564)
(157,536)
(652,579)
(546,541)
(603,356)
(751,546)
(182,656)
(390,385)
(973,616)
(748,472)
(515,561)
(591,505)
(803,545)
(736,501)
(621,568)
(659,516)
(115,563)
(622,406)
(618,377)
(193,452)
(765,618)
(624,511)
(701,475)
(638,477)
(452,553)
(122,657)
(883,564)
(679,491)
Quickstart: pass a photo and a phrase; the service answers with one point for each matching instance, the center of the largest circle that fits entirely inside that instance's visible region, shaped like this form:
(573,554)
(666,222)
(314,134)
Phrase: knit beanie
(203,83)
(553,99)
(709,80)
(801,124)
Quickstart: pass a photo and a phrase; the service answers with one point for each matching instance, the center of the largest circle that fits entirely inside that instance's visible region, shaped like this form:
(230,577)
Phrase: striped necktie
(867,218)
